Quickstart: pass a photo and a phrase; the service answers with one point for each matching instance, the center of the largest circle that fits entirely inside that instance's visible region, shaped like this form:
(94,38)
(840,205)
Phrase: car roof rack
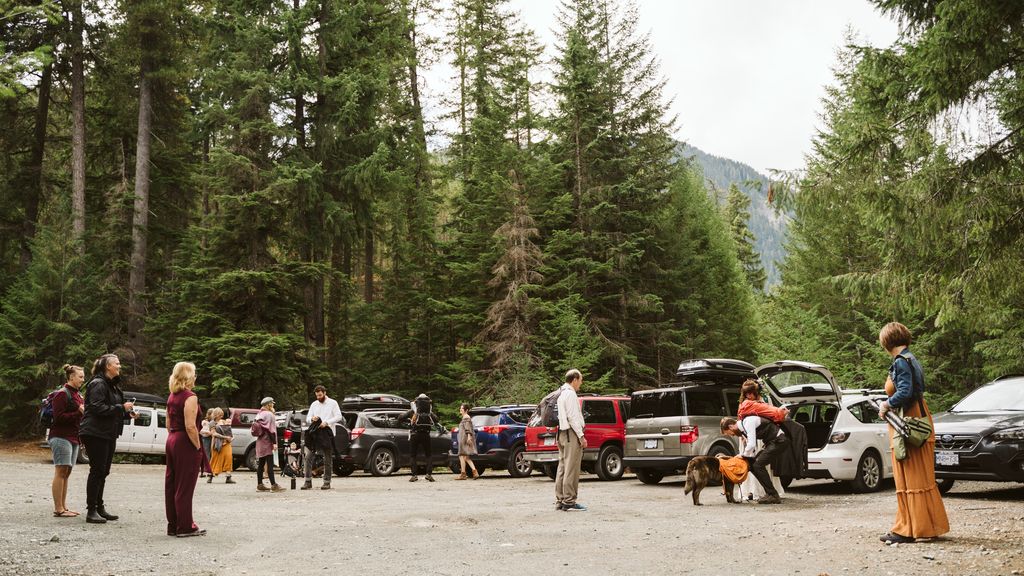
(1008,376)
(863,391)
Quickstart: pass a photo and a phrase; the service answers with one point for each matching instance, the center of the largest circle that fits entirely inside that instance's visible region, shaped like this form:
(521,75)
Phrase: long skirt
(920,512)
(221,460)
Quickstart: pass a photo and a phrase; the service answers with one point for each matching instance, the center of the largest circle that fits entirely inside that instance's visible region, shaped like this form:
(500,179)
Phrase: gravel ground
(495,525)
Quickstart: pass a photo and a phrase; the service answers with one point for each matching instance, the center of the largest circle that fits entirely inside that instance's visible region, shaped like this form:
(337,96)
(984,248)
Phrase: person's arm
(407,415)
(333,415)
(61,414)
(573,413)
(750,424)
(205,432)
(904,383)
(311,413)
(191,411)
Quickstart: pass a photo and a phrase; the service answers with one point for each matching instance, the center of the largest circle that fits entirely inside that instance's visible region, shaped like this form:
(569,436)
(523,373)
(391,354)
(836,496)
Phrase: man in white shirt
(323,414)
(754,428)
(571,443)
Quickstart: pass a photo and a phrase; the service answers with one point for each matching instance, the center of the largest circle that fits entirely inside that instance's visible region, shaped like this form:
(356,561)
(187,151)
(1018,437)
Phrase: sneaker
(196,532)
(414,478)
(574,507)
(307,486)
(229,481)
(558,506)
(262,488)
(209,479)
(277,488)
(893,538)
(325,487)
(769,500)
(430,478)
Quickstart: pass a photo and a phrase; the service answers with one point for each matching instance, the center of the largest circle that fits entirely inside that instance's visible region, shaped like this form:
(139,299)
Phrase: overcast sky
(747,75)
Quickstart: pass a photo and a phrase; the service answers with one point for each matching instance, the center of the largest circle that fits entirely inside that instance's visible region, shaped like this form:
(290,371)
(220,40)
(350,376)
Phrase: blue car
(500,439)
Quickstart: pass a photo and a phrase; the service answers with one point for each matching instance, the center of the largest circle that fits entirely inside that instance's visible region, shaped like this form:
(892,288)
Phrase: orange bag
(735,469)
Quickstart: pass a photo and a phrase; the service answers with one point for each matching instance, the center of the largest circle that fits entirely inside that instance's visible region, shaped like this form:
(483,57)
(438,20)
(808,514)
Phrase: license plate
(947,459)
(548,442)
(650,444)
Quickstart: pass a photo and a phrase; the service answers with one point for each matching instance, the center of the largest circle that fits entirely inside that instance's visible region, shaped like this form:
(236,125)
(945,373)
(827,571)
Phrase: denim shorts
(64,452)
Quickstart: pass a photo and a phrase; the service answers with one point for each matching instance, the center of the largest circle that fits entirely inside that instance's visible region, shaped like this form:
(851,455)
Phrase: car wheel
(383,462)
(343,470)
(83,457)
(551,470)
(719,449)
(609,463)
(945,485)
(785,481)
(250,458)
(649,476)
(869,474)
(455,469)
(518,465)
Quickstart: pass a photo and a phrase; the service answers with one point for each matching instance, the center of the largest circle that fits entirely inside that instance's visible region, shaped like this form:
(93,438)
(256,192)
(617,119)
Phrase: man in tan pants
(571,443)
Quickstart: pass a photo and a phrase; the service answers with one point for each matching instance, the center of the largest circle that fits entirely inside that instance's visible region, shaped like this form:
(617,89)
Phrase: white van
(144,434)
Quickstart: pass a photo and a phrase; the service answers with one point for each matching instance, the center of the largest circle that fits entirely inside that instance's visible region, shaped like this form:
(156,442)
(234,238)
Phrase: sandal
(64,514)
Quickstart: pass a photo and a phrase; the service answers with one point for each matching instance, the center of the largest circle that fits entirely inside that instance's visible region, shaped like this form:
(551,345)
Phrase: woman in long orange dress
(221,461)
(920,512)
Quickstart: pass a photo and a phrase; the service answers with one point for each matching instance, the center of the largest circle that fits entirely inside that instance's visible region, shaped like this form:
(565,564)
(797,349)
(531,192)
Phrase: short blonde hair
(184,373)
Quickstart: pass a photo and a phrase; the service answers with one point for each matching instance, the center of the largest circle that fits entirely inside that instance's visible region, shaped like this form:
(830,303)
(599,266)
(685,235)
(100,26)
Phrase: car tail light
(688,434)
(455,429)
(838,437)
(493,429)
(356,433)
(287,435)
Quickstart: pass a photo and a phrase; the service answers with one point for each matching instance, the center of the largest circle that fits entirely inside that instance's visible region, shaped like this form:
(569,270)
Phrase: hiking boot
(209,479)
(475,474)
(93,517)
(462,476)
(229,481)
(430,478)
(414,478)
(325,487)
(106,515)
(261,488)
(277,488)
(307,486)
(769,500)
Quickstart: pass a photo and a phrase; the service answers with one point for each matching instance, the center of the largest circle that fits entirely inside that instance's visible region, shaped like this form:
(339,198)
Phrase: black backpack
(423,410)
(548,409)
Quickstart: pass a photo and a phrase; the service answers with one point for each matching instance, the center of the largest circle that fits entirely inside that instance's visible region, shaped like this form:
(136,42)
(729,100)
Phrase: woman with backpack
(102,422)
(68,407)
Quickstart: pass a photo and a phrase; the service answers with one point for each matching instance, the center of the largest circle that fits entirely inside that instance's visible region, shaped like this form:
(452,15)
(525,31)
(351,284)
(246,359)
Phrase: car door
(440,439)
(599,422)
(398,432)
(159,444)
(875,430)
(142,430)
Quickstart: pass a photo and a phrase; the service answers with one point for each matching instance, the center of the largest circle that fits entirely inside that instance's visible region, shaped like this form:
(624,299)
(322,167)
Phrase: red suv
(604,420)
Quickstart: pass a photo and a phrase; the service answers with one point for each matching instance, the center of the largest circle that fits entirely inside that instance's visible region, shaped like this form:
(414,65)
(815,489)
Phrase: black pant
(101,454)
(268,462)
(771,450)
(415,441)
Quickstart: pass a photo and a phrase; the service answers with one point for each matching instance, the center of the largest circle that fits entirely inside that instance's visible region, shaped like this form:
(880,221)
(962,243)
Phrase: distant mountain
(768,226)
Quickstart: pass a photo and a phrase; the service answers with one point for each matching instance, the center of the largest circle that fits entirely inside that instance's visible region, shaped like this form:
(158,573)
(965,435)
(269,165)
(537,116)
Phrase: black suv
(380,441)
(982,436)
(290,425)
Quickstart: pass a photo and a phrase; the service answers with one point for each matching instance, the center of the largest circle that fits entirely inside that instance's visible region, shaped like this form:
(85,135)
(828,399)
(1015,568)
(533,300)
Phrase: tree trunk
(78,125)
(140,216)
(368,265)
(35,184)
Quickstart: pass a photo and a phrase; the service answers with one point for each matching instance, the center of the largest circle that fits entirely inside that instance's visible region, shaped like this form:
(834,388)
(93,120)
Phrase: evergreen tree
(737,215)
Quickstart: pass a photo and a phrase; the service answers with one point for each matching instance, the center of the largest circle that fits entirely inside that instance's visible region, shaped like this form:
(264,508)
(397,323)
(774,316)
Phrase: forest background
(251,185)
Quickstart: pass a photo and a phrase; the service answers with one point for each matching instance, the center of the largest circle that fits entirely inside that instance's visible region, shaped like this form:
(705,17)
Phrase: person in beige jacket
(571,443)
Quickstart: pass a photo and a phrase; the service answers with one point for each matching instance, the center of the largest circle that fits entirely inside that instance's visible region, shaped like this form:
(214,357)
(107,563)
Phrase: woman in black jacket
(102,423)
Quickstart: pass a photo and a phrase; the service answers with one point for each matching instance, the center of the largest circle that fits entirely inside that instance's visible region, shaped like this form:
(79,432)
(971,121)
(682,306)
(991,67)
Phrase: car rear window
(661,404)
(865,412)
(488,419)
(378,420)
(705,403)
(598,412)
(519,416)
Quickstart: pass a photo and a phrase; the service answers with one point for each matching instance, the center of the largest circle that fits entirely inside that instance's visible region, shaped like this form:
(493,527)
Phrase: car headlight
(1009,435)
(838,437)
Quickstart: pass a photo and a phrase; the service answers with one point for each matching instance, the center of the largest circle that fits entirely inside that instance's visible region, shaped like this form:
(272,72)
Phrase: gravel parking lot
(495,525)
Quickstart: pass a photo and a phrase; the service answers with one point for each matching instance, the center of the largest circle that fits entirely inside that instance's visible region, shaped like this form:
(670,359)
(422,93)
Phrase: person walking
(467,443)
(920,512)
(204,436)
(775,442)
(571,444)
(183,450)
(323,414)
(423,420)
(264,429)
(102,422)
(222,435)
(68,408)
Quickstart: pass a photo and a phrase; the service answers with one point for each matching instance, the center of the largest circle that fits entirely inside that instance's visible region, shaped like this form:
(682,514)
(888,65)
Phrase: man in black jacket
(423,421)
(755,428)
(102,423)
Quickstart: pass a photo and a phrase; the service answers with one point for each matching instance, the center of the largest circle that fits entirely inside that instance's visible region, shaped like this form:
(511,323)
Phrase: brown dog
(704,471)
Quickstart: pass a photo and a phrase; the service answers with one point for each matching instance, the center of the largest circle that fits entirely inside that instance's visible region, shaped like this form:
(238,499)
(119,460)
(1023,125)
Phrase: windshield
(1003,395)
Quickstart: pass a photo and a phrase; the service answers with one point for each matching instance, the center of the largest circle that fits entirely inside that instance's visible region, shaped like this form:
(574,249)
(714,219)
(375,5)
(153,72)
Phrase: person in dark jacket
(102,423)
(63,438)
(423,421)
(752,429)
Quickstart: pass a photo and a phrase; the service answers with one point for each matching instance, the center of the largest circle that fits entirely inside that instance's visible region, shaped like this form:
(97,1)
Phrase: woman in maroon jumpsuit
(184,451)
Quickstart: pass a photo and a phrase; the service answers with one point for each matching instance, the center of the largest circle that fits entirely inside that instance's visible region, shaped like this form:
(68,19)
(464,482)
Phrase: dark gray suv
(380,441)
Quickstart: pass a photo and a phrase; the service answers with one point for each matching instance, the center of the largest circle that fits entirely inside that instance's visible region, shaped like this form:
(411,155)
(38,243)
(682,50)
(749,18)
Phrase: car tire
(250,458)
(720,449)
(343,470)
(649,476)
(455,469)
(945,485)
(518,465)
(869,474)
(383,462)
(785,481)
(609,463)
(83,458)
(551,470)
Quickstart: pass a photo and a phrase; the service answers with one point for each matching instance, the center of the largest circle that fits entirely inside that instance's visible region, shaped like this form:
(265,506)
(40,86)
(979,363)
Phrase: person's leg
(97,448)
(328,465)
(560,474)
(170,485)
(573,458)
(270,469)
(414,444)
(188,463)
(65,475)
(764,458)
(260,464)
(428,454)
(57,487)
(107,462)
